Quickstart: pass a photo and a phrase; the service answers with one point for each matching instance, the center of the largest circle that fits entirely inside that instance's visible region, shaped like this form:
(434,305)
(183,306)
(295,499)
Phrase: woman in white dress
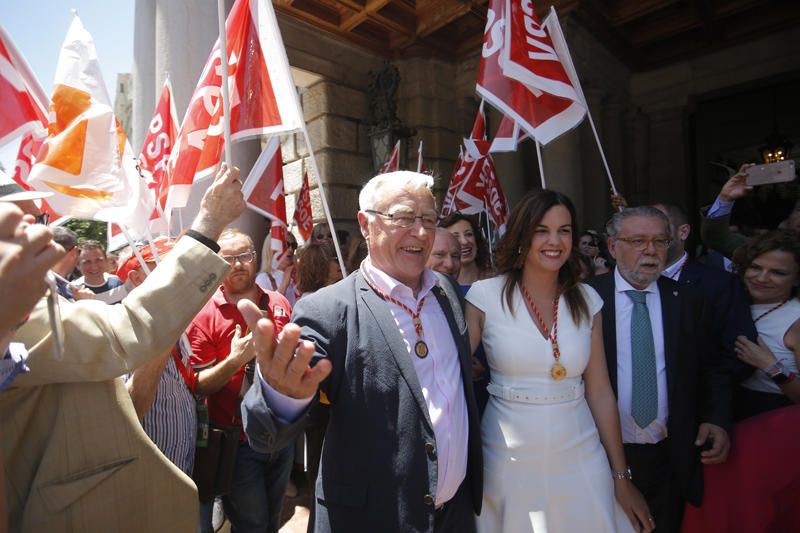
(553,458)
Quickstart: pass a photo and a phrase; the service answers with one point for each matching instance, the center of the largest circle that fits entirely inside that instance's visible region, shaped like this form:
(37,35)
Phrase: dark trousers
(654,476)
(259,483)
(456,515)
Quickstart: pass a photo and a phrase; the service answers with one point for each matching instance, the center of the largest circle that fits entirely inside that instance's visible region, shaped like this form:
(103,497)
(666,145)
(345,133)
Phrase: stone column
(144,40)
(594,180)
(563,169)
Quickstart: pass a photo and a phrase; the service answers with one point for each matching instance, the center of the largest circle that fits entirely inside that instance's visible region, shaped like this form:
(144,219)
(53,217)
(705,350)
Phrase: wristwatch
(622,474)
(778,373)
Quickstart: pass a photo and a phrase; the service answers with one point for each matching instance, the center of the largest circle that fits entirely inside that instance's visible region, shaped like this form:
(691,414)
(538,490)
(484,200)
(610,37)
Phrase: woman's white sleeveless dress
(545,470)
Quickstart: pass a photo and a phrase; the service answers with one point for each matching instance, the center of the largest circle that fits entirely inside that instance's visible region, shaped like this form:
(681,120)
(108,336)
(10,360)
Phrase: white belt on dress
(538,395)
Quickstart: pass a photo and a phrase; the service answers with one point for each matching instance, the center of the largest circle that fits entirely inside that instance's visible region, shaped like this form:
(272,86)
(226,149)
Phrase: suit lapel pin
(674,293)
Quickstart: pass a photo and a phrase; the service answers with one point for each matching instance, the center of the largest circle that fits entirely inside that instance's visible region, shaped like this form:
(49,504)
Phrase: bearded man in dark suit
(673,393)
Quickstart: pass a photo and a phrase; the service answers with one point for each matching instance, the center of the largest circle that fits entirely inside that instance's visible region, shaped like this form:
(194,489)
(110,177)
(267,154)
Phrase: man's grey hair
(395,181)
(614,225)
(67,238)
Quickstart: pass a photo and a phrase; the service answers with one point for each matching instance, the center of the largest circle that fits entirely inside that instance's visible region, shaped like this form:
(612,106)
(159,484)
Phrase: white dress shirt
(631,432)
(439,376)
(673,271)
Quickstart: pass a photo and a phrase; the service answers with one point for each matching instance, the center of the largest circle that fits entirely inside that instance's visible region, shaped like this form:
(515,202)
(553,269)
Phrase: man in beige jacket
(75,455)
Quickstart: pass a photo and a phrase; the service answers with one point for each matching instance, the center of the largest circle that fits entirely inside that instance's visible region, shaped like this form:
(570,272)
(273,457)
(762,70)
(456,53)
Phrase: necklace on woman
(420,348)
(768,311)
(557,371)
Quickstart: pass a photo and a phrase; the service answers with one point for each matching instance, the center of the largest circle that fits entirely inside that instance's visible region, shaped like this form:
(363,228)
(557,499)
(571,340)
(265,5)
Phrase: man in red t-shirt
(222,348)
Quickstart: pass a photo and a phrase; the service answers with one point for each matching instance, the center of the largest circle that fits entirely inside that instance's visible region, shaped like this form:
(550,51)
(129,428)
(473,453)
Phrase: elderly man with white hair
(388,347)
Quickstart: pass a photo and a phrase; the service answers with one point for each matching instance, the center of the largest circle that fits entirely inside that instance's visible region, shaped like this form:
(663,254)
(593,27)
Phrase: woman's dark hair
(514,246)
(779,239)
(312,266)
(482,251)
(356,252)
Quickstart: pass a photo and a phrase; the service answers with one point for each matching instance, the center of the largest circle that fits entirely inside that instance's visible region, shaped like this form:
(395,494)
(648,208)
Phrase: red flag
(263,99)
(508,136)
(475,187)
(459,172)
(263,192)
(23,102)
(29,147)
(392,163)
(521,74)
(302,210)
(157,146)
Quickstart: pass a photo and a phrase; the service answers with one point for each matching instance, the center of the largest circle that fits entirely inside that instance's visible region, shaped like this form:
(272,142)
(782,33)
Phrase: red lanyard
(768,311)
(188,377)
(535,312)
(414,315)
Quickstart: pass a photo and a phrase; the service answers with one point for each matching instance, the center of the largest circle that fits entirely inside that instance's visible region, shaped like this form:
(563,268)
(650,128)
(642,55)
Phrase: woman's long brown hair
(514,246)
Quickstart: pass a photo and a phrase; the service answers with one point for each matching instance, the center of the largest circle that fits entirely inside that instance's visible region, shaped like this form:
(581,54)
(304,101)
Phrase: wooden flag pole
(226,102)
(600,148)
(541,166)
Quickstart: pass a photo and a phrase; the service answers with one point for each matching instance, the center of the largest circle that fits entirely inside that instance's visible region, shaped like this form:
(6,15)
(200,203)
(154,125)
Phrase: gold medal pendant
(421,349)
(558,372)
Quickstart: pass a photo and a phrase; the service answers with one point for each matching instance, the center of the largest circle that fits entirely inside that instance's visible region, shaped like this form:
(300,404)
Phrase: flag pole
(325,207)
(226,102)
(539,157)
(134,249)
(600,149)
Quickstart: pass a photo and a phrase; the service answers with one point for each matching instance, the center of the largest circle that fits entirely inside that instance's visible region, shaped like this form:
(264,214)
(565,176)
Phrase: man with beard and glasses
(222,348)
(672,394)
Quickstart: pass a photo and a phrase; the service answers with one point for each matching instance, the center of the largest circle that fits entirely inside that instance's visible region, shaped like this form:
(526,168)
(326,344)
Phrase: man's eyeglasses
(403,219)
(245,258)
(640,244)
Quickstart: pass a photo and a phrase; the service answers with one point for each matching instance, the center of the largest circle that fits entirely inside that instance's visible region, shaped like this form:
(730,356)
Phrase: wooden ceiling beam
(627,11)
(360,16)
(355,5)
(434,14)
(390,24)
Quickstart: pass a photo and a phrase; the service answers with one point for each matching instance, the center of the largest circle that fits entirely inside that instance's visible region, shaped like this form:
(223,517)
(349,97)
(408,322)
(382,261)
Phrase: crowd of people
(564,381)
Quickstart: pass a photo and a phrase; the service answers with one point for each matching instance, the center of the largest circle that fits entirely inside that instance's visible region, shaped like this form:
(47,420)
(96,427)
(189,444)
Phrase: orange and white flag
(263,98)
(86,159)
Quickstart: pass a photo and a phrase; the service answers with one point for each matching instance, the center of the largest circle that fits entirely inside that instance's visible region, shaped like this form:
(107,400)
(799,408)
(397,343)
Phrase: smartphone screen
(779,172)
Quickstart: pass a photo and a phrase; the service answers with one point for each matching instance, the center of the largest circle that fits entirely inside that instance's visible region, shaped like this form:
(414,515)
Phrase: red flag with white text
(263,193)
(263,99)
(475,187)
(23,102)
(521,74)
(29,146)
(157,145)
(302,210)
(392,162)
